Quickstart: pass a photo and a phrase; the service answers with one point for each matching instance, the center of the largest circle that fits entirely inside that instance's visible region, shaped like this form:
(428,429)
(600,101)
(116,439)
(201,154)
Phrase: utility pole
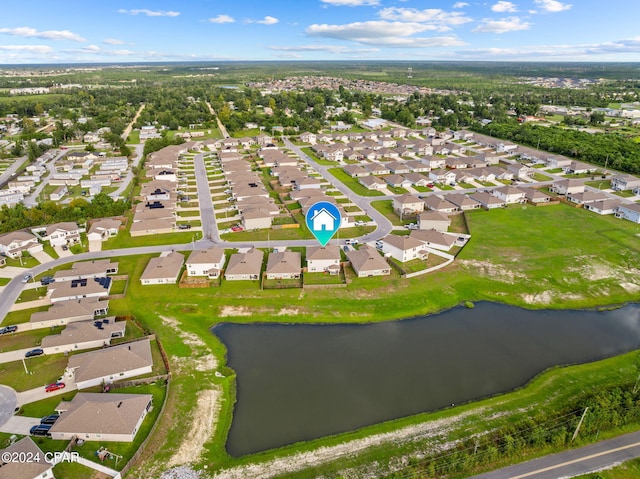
(575,434)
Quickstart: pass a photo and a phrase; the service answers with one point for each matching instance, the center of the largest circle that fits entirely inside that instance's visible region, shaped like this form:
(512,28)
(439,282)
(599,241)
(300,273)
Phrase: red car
(53,387)
(236,228)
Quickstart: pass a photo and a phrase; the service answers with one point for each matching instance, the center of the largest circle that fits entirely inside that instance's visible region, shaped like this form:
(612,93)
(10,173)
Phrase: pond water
(300,382)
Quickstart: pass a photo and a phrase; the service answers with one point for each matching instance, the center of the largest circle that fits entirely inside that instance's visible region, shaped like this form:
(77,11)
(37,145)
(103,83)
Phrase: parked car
(27,277)
(45,280)
(430,185)
(236,228)
(50,419)
(65,247)
(54,387)
(184,227)
(40,430)
(34,352)
(8,329)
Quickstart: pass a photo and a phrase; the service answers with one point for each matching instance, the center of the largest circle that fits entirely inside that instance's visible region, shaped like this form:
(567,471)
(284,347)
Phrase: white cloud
(29,32)
(552,6)
(503,25)
(222,19)
(351,3)
(323,48)
(503,7)
(268,20)
(112,41)
(150,13)
(434,16)
(27,48)
(460,5)
(382,33)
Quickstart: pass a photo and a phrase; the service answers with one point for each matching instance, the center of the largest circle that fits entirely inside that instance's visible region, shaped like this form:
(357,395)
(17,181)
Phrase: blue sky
(137,30)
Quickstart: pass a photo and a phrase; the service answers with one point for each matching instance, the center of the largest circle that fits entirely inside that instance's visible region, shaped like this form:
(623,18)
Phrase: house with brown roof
(534,195)
(403,248)
(97,268)
(629,211)
(587,196)
(372,183)
(95,287)
(433,220)
(59,234)
(397,181)
(355,171)
(463,201)
(84,335)
(284,265)
(510,194)
(164,269)
(36,468)
(102,230)
(624,182)
(438,203)
(105,366)
(15,243)
(65,312)
(568,186)
(206,262)
(435,239)
(408,204)
(244,266)
(256,218)
(323,259)
(488,201)
(604,207)
(101,417)
(367,262)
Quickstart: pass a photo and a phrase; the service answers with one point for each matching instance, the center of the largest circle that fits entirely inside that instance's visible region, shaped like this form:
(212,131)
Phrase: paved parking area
(20,424)
(8,403)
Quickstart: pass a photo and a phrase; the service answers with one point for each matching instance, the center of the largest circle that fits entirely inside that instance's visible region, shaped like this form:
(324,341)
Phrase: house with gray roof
(403,248)
(84,335)
(433,220)
(244,266)
(97,268)
(165,269)
(284,265)
(367,262)
(105,366)
(101,417)
(435,239)
(323,259)
(65,312)
(38,467)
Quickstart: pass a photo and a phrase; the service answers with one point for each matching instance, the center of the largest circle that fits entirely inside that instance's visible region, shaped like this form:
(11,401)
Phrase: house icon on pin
(323,220)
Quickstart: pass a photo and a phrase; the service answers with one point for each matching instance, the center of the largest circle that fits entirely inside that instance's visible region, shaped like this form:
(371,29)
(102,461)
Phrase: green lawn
(386,208)
(43,370)
(27,339)
(321,161)
(323,278)
(540,177)
(600,184)
(624,194)
(352,183)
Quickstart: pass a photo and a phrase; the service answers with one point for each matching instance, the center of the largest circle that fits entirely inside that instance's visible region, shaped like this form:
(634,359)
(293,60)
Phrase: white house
(510,194)
(629,211)
(565,187)
(61,233)
(624,182)
(206,262)
(408,204)
(13,244)
(403,248)
(244,266)
(323,259)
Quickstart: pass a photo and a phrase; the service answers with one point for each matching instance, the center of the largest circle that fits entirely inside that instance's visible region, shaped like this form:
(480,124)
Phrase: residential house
(97,268)
(355,171)
(629,211)
(30,463)
(403,248)
(164,269)
(520,171)
(372,183)
(206,262)
(258,218)
(308,137)
(417,179)
(488,201)
(510,194)
(59,193)
(568,186)
(433,220)
(60,234)
(377,169)
(442,176)
(408,204)
(79,289)
(604,207)
(65,312)
(624,182)
(463,202)
(417,166)
(534,195)
(15,243)
(367,262)
(399,167)
(244,266)
(323,259)
(101,417)
(435,239)
(587,196)
(284,265)
(105,366)
(102,230)
(579,168)
(397,181)
(438,203)
(84,335)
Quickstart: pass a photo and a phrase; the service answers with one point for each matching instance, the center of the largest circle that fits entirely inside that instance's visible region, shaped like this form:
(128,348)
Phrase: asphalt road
(207,216)
(575,462)
(10,172)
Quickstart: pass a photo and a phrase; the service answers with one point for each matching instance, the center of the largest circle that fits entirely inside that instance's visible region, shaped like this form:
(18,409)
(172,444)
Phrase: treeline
(617,151)
(608,409)
(49,212)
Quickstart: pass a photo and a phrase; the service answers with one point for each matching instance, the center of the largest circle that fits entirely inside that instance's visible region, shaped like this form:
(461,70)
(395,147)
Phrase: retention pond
(300,382)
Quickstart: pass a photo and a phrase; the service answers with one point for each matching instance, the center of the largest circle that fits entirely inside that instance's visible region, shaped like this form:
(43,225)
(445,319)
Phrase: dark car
(50,419)
(40,430)
(8,329)
(34,352)
(45,280)
(54,387)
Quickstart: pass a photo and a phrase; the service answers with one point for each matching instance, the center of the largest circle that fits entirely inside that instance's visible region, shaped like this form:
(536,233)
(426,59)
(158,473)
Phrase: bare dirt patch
(319,456)
(201,429)
(226,311)
(546,297)
(630,287)
(494,271)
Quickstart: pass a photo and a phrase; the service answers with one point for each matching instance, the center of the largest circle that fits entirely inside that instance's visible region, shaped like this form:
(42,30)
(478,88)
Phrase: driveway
(95,245)
(8,403)
(42,257)
(63,253)
(37,394)
(20,425)
(12,271)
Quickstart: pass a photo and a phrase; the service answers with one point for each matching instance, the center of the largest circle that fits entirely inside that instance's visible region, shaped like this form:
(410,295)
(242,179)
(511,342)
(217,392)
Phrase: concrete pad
(12,271)
(95,245)
(30,304)
(62,253)
(19,425)
(8,403)
(42,257)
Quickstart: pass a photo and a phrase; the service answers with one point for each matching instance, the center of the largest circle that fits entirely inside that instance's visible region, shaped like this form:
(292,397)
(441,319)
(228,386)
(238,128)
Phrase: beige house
(403,248)
(510,194)
(434,220)
(101,417)
(408,204)
(569,186)
(84,335)
(65,312)
(79,289)
(258,218)
(438,203)
(244,266)
(165,269)
(62,233)
(367,262)
(97,268)
(323,259)
(104,366)
(15,243)
(487,200)
(285,265)
(435,239)
(102,230)
(206,262)
(38,468)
